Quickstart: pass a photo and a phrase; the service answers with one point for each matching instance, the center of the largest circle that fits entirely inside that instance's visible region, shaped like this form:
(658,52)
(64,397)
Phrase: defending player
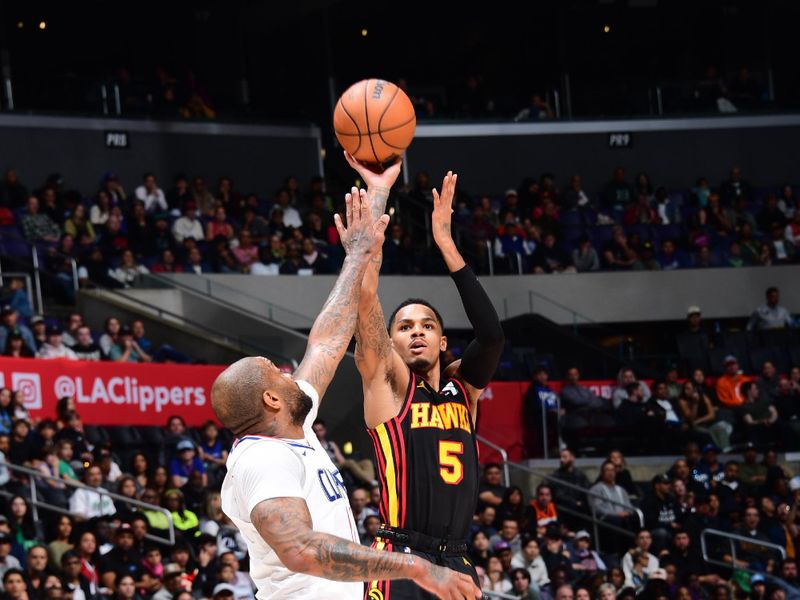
(281,490)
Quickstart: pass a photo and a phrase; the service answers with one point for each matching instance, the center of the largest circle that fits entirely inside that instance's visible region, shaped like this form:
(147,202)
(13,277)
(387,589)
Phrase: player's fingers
(397,162)
(381,224)
(351,207)
(435,196)
(349,158)
(364,205)
(337,220)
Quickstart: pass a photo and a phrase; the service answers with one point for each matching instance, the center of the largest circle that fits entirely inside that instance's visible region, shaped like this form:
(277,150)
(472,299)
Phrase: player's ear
(443,344)
(270,401)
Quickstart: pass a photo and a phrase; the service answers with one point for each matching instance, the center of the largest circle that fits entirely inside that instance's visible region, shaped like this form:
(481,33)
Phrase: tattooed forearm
(285,524)
(334,327)
(378,197)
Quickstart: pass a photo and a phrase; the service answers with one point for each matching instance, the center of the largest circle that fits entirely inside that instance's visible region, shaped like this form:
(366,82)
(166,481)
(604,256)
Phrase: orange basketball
(374,121)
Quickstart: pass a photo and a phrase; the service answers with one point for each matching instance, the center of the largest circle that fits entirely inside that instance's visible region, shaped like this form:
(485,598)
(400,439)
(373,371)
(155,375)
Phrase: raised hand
(363,233)
(443,209)
(384,179)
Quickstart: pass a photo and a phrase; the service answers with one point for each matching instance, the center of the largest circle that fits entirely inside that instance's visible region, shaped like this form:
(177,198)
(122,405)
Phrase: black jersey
(427,462)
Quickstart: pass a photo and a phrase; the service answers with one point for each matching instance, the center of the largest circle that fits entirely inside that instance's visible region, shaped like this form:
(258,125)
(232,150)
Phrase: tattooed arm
(285,524)
(380,367)
(334,327)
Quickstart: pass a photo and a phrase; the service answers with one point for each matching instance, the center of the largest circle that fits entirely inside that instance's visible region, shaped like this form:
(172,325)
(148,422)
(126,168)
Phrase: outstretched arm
(334,327)
(285,524)
(480,358)
(376,361)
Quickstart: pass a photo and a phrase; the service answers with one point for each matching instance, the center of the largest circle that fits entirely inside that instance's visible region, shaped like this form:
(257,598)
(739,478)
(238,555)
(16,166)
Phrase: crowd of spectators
(23,335)
(96,546)
(117,234)
(543,547)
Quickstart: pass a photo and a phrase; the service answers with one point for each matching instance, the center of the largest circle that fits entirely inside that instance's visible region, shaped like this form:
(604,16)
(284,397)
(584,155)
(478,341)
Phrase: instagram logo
(29,385)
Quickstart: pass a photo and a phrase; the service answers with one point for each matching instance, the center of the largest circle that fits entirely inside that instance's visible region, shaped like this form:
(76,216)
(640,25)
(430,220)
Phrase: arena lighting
(20,24)
(364,33)
(42,25)
(606,28)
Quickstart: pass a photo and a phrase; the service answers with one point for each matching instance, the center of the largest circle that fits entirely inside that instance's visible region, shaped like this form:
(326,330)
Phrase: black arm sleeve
(482,355)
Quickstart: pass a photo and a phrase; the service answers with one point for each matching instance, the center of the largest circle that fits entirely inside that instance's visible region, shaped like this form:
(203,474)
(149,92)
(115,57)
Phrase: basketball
(374,121)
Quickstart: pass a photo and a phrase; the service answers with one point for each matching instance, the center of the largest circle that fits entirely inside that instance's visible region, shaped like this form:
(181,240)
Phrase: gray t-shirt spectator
(614,497)
(769,317)
(578,397)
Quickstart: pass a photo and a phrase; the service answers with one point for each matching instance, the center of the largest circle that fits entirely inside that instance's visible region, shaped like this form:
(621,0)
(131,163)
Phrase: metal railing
(732,540)
(592,516)
(230,295)
(501,595)
(243,345)
(503,454)
(36,503)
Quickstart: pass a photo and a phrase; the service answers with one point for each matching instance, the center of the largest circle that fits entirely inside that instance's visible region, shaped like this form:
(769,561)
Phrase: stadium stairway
(218,325)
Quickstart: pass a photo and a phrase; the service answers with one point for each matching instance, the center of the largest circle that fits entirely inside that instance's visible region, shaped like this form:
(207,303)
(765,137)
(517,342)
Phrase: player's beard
(300,404)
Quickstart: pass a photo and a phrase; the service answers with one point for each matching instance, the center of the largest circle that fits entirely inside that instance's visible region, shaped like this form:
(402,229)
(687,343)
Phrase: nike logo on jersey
(448,415)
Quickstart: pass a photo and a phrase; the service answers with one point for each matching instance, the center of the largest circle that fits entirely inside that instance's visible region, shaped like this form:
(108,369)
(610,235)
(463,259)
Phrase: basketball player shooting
(422,418)
(281,490)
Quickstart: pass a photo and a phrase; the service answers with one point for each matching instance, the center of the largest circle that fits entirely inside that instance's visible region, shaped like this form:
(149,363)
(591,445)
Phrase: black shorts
(406,589)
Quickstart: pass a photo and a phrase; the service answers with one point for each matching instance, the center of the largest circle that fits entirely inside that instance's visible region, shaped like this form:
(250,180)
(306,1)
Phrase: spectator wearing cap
(90,502)
(582,557)
(7,560)
(11,324)
(122,559)
(188,225)
(555,553)
(223,591)
(758,415)
(186,461)
(127,348)
(174,583)
(729,384)
(770,315)
(660,511)
(112,186)
(694,324)
(55,347)
(752,473)
(16,347)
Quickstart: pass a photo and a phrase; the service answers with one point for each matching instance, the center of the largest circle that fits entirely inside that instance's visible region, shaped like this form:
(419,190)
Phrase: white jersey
(261,468)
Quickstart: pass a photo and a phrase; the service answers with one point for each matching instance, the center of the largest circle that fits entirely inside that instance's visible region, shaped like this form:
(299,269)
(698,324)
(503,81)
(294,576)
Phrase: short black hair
(410,301)
(771,289)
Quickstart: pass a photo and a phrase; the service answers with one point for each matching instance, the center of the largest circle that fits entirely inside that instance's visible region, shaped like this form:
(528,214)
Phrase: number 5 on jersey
(451,469)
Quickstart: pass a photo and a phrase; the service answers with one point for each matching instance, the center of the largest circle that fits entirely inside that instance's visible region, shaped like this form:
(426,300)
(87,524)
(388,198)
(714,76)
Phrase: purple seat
(673,231)
(570,218)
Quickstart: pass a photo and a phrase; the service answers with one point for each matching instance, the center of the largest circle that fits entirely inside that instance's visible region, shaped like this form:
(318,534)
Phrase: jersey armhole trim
(412,384)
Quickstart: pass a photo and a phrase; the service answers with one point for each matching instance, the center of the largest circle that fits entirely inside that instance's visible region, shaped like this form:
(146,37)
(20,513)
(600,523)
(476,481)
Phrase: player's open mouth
(418,347)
